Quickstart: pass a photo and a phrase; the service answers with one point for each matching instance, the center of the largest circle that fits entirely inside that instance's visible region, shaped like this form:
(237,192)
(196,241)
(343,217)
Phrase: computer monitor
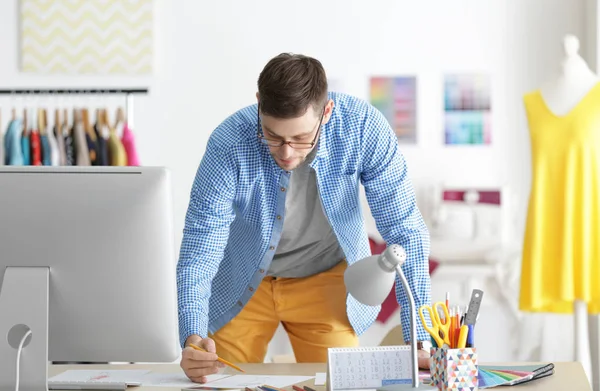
(87,263)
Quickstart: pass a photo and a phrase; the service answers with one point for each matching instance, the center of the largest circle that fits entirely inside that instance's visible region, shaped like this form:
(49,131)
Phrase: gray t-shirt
(308,244)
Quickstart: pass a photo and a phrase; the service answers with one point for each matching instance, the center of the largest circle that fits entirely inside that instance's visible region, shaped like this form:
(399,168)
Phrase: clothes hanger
(98,120)
(107,121)
(102,117)
(57,123)
(24,122)
(102,121)
(120,117)
(76,117)
(86,124)
(66,123)
(40,119)
(45,113)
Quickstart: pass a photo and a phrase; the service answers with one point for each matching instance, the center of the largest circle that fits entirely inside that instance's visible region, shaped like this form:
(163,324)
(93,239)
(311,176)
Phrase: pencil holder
(454,369)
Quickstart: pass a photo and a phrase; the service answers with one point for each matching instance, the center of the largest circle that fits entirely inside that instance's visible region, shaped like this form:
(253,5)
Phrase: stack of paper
(174,380)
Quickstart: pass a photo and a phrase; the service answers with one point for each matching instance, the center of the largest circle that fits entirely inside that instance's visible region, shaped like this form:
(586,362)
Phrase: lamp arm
(413,327)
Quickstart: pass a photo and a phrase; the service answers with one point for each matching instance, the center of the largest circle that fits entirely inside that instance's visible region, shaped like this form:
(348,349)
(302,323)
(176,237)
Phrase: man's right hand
(197,364)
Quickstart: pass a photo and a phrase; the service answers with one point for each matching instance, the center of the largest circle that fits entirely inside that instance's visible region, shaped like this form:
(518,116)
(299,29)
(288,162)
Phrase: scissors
(436,323)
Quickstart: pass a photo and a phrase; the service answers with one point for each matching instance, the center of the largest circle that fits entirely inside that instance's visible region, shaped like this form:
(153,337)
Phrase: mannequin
(558,218)
(573,83)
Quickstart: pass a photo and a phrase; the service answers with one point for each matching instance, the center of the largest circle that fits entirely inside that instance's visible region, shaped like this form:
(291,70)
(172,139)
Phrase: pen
(267,387)
(296,388)
(456,325)
(219,359)
(270,388)
(307,388)
(451,330)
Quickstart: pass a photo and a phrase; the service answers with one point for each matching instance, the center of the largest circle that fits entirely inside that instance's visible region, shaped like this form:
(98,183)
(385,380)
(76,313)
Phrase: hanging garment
(13,149)
(128,140)
(60,145)
(36,148)
(2,159)
(54,157)
(45,147)
(92,144)
(26,148)
(101,143)
(116,151)
(70,154)
(82,153)
(561,254)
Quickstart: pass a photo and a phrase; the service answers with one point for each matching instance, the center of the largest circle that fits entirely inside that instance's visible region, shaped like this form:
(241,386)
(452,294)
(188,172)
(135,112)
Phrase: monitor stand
(24,296)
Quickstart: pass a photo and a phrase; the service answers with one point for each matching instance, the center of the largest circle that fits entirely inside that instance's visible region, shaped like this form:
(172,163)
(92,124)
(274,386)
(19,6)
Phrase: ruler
(474,304)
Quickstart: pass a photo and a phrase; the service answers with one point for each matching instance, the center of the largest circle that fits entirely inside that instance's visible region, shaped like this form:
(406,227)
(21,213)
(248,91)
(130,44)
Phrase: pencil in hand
(219,359)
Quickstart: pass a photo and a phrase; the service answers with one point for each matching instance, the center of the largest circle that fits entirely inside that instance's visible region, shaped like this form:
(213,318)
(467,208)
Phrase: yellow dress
(561,250)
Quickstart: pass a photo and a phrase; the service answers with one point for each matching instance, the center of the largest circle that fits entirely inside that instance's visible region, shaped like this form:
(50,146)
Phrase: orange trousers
(311,309)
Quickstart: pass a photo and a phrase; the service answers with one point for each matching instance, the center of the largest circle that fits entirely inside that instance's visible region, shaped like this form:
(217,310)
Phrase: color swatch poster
(467,109)
(396,98)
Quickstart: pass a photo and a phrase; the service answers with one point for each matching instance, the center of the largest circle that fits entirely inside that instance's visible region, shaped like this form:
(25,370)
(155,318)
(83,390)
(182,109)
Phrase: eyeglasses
(279,143)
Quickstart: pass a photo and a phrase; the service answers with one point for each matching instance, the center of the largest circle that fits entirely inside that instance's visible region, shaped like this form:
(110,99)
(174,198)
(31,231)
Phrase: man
(275,217)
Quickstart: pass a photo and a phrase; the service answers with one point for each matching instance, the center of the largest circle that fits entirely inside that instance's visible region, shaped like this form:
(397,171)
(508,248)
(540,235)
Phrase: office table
(567,375)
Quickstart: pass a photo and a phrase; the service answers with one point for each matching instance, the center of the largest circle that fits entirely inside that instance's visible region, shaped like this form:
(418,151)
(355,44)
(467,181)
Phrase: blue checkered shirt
(237,206)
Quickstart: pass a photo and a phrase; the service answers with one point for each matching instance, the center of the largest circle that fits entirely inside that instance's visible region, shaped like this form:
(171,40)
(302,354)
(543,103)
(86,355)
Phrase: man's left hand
(424,358)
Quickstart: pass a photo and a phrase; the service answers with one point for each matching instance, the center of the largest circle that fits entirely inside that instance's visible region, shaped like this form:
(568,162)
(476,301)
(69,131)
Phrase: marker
(270,388)
(470,337)
(462,337)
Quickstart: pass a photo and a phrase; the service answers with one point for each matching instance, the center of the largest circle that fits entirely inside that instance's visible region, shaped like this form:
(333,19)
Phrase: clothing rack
(128,92)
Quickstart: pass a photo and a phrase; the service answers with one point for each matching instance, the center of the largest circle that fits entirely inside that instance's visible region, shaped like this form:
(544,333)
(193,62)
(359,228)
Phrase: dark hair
(289,83)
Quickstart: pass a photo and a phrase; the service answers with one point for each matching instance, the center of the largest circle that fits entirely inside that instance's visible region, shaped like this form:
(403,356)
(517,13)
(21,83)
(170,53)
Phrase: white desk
(567,376)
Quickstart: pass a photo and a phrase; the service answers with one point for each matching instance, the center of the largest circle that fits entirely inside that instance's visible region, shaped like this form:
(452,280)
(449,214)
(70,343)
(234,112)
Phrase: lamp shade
(368,282)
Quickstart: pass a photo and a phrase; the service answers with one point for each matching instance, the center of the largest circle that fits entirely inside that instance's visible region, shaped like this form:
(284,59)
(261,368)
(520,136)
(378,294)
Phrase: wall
(209,54)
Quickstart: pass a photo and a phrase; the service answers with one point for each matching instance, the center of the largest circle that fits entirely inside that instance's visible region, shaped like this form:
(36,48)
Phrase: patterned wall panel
(87,36)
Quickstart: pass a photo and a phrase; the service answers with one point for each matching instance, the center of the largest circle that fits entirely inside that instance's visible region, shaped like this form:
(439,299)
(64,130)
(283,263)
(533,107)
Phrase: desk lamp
(369,281)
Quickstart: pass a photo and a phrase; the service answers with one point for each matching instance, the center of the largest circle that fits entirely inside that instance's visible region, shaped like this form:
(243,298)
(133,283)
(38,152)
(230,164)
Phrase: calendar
(368,367)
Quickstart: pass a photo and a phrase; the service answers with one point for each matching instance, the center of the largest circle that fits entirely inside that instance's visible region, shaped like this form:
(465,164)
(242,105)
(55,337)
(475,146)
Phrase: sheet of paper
(174,380)
(241,381)
(320,378)
(130,377)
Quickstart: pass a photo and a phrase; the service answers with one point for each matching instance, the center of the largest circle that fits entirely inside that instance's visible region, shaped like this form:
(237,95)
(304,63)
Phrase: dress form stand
(561,96)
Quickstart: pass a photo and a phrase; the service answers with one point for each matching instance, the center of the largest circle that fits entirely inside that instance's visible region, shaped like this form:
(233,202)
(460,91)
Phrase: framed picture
(467,109)
(396,98)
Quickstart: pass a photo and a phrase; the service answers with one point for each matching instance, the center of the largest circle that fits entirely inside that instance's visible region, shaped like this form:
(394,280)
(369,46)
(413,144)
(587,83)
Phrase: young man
(274,218)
